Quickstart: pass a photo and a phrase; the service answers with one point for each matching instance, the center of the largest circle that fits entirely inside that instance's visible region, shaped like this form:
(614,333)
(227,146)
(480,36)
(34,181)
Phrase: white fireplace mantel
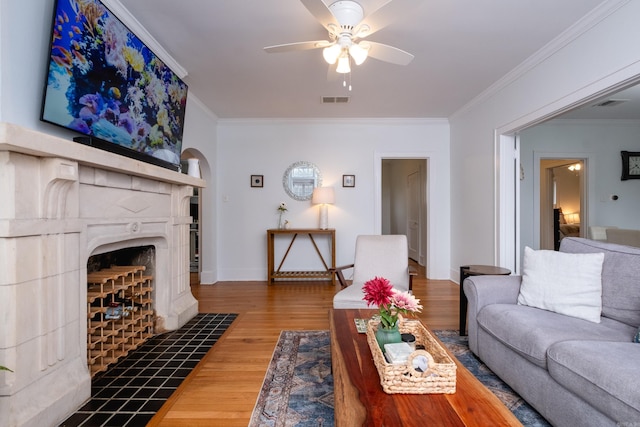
(61,202)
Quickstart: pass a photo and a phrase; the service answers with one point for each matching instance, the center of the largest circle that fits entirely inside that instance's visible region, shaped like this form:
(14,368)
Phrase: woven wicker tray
(440,376)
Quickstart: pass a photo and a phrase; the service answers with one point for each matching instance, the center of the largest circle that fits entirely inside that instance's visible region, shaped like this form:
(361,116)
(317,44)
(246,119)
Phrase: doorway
(562,200)
(404,203)
(195,213)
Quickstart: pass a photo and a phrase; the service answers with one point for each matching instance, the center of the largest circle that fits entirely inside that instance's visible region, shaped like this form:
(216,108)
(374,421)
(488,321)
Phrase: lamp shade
(572,218)
(331,53)
(323,195)
(359,52)
(343,64)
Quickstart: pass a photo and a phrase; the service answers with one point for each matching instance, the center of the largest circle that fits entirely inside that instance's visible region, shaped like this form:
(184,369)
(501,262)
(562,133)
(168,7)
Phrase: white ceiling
(461,47)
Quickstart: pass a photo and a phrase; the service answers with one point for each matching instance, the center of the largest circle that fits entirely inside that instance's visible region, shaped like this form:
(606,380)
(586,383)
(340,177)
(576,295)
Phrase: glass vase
(387,335)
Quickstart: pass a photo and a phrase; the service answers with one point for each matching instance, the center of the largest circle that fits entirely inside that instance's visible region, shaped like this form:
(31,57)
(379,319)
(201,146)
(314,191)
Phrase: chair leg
(343,282)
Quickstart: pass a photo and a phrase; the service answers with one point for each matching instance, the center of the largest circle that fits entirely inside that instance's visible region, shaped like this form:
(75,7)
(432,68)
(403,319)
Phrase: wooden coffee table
(360,400)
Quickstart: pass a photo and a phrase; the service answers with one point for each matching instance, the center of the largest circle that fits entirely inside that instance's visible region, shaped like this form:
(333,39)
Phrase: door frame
(507,188)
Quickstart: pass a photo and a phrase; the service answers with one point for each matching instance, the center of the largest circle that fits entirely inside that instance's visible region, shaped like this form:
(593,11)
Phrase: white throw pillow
(565,283)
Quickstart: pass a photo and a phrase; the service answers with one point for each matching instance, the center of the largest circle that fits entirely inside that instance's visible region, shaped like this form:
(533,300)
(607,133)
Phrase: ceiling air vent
(335,99)
(610,102)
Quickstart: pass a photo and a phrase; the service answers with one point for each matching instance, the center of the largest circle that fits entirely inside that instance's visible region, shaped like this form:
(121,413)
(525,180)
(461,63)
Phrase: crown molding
(141,32)
(572,33)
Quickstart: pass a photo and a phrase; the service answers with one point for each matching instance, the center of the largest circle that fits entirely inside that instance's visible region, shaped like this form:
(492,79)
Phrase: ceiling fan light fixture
(343,64)
(348,13)
(331,53)
(359,52)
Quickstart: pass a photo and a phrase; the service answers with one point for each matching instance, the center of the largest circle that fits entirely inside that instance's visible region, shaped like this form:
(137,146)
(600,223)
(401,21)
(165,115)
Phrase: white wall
(24,39)
(200,139)
(583,62)
(337,147)
(601,142)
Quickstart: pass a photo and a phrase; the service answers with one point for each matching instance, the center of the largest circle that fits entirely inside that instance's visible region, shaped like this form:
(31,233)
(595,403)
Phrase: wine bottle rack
(119,312)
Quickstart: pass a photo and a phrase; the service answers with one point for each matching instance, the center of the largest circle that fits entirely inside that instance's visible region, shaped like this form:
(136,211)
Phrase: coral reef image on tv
(103,82)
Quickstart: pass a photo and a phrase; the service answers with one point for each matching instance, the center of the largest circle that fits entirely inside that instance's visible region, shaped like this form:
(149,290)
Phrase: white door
(413,215)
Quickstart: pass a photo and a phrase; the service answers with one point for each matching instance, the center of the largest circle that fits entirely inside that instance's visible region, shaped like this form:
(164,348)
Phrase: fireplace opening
(138,255)
(120,304)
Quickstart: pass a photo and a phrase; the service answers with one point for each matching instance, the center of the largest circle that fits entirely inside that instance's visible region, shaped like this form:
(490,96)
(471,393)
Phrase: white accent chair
(376,256)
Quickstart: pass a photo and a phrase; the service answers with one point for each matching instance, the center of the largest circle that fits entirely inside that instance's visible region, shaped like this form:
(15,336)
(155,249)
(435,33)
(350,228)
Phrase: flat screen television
(105,84)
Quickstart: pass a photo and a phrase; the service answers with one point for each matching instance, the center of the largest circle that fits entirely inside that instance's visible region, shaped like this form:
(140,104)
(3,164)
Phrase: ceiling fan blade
(291,47)
(390,54)
(321,12)
(392,10)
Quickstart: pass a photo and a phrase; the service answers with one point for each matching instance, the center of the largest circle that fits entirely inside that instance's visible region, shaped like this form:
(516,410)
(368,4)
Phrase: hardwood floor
(222,389)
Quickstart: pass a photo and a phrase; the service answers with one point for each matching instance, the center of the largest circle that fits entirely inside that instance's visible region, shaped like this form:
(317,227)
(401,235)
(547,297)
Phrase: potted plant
(281,209)
(391,302)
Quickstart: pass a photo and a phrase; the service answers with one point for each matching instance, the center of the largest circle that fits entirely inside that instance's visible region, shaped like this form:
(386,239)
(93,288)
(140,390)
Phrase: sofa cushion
(604,374)
(565,283)
(620,277)
(531,331)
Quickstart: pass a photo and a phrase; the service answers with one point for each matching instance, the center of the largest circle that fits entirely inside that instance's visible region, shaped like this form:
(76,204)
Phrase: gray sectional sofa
(573,371)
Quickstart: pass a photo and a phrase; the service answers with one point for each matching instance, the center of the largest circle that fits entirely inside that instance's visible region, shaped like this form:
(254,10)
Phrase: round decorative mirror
(300,179)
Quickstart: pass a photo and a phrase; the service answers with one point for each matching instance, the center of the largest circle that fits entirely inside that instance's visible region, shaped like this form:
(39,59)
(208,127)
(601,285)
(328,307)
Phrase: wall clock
(630,165)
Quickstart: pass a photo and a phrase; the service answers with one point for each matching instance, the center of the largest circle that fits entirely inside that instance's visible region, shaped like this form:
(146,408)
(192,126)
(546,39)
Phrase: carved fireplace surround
(61,202)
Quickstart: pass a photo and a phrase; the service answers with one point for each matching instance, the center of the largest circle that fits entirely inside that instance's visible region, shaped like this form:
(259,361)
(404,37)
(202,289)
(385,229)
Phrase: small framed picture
(348,180)
(257,181)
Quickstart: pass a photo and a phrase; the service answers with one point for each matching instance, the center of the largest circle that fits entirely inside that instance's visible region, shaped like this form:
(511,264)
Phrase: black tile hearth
(133,390)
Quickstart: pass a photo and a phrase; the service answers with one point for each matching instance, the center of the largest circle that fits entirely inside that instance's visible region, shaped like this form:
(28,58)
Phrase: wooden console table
(277,273)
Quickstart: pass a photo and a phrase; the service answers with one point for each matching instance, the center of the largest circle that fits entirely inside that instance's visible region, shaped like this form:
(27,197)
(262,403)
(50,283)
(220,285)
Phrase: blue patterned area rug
(298,387)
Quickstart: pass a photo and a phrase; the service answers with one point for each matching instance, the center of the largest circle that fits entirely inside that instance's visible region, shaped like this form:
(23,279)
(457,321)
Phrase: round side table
(475,270)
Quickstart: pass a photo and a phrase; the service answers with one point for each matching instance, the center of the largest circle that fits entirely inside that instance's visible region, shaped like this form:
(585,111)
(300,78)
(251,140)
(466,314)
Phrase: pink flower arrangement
(390,301)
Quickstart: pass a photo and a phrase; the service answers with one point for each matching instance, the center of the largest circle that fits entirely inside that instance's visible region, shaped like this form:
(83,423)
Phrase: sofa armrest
(485,290)
(340,275)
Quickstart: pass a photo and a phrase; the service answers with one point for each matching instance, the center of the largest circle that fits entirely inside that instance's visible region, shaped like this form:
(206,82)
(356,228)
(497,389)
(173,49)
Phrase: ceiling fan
(347,24)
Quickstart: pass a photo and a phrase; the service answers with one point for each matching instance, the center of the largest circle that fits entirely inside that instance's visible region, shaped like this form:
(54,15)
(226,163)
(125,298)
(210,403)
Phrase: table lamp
(572,218)
(323,196)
